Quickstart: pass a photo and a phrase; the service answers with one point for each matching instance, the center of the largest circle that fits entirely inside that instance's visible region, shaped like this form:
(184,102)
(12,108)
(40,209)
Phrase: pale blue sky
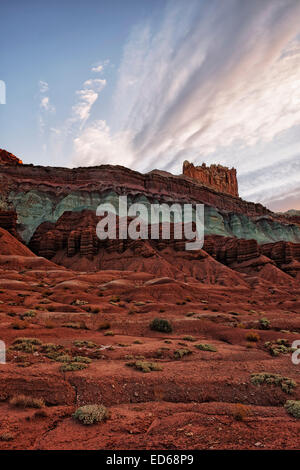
(149,83)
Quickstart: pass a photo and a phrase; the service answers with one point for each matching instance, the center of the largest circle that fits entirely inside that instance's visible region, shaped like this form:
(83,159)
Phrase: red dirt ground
(193,402)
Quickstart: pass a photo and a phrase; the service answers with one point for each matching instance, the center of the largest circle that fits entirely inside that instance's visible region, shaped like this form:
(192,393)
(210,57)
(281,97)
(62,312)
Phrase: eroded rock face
(286,256)
(73,243)
(8,221)
(235,253)
(42,195)
(218,177)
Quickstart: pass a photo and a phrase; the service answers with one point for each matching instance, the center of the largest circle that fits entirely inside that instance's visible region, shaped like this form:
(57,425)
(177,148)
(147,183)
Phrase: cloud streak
(212,77)
(44,104)
(87,96)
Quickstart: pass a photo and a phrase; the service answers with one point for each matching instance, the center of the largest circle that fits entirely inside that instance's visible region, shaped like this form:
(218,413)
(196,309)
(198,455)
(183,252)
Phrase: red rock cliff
(218,177)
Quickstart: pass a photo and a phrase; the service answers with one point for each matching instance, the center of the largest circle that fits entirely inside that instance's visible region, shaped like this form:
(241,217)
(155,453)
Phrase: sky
(150,83)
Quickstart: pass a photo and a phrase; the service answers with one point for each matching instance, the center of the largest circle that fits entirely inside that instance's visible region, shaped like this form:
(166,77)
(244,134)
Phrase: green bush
(287,385)
(280,346)
(51,347)
(82,359)
(205,347)
(91,414)
(28,345)
(180,353)
(189,338)
(72,366)
(28,314)
(293,408)
(264,324)
(145,366)
(85,344)
(159,324)
(34,341)
(63,358)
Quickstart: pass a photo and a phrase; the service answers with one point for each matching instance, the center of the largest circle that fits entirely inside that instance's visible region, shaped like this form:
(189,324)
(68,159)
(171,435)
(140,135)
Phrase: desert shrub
(253,337)
(72,366)
(128,357)
(287,385)
(6,436)
(23,401)
(137,341)
(145,366)
(27,345)
(82,359)
(159,324)
(34,341)
(264,324)
(241,412)
(189,338)
(64,358)
(79,302)
(115,298)
(91,414)
(293,408)
(109,333)
(180,353)
(95,310)
(206,347)
(280,346)
(105,325)
(50,348)
(85,344)
(28,314)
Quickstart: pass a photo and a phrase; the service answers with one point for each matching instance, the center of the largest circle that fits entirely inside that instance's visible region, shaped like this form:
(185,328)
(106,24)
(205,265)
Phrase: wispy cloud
(98,68)
(213,76)
(44,104)
(97,144)
(43,86)
(87,96)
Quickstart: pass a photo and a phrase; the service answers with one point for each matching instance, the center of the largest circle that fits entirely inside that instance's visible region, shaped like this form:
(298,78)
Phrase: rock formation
(218,177)
(8,221)
(42,194)
(7,158)
(85,334)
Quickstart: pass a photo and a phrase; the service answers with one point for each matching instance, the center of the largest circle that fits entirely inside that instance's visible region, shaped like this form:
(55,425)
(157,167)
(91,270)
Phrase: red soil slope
(198,399)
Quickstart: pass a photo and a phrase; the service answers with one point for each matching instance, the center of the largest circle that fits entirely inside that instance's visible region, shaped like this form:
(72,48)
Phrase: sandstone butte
(233,307)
